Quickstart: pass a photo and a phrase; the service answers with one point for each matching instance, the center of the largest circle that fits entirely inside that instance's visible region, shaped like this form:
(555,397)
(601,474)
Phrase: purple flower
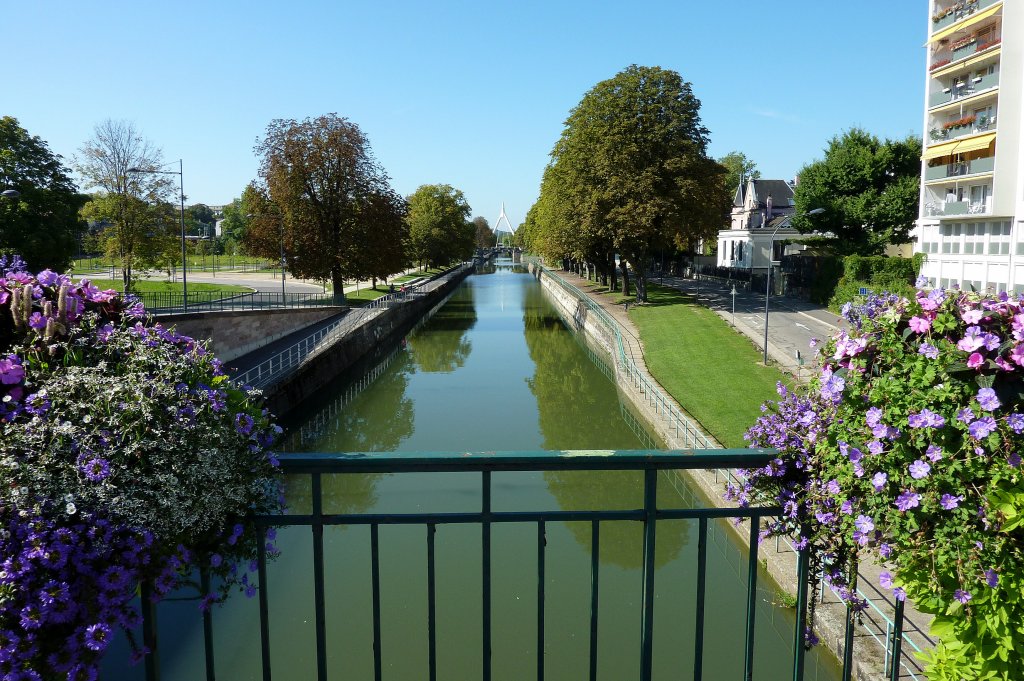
(961,596)
(878,480)
(47,277)
(243,423)
(1013,460)
(899,593)
(926,419)
(96,470)
(928,350)
(949,502)
(37,321)
(11,371)
(884,550)
(972,340)
(846,508)
(216,560)
(97,636)
(908,500)
(934,453)
(988,400)
(876,447)
(832,486)
(991,578)
(919,469)
(864,523)
(982,427)
(1016,422)
(885,579)
(965,415)
(874,416)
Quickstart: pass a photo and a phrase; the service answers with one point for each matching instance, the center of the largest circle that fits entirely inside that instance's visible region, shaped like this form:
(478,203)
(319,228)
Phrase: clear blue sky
(472,93)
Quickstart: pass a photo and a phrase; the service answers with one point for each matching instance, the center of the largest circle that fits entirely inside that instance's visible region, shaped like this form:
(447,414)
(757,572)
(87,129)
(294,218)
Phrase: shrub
(907,447)
(127,456)
(875,273)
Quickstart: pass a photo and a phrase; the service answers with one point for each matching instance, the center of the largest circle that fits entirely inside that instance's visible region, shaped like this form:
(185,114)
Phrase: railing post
(149,632)
(204,585)
(802,570)
(897,640)
(647,625)
(486,550)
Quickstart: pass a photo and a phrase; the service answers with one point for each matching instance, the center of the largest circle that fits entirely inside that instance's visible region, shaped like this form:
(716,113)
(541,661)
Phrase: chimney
(769,207)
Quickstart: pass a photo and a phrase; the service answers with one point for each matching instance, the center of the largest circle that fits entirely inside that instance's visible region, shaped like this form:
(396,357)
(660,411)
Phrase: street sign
(864,291)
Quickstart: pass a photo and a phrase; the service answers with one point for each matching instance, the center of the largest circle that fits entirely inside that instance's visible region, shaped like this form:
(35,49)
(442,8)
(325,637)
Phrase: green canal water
(495,368)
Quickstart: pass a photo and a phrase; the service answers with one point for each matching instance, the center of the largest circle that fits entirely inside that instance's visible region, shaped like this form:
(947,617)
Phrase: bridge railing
(316,467)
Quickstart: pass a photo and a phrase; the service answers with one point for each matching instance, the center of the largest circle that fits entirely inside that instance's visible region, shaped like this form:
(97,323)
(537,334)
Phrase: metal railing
(639,382)
(622,353)
(164,303)
(287,360)
(653,510)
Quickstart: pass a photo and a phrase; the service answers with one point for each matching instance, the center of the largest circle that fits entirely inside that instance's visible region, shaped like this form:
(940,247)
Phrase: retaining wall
(236,333)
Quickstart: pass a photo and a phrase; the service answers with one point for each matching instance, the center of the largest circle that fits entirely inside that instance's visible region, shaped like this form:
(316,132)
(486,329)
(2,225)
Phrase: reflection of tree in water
(441,345)
(622,542)
(377,420)
(578,406)
(579,409)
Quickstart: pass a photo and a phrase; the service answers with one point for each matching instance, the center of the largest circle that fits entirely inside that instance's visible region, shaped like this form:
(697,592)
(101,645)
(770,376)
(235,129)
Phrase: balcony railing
(974,87)
(956,208)
(954,170)
(965,10)
(315,467)
(941,134)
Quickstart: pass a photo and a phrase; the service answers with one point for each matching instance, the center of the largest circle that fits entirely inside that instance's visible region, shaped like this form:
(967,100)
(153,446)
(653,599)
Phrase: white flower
(71,508)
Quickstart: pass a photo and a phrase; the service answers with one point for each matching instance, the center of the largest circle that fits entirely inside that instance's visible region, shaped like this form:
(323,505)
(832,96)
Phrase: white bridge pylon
(497,226)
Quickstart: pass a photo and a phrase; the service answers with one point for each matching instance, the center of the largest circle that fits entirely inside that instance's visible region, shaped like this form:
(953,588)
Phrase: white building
(760,209)
(971,224)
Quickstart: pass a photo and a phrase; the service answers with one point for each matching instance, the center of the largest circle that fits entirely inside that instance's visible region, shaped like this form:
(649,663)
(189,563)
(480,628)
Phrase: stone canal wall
(379,329)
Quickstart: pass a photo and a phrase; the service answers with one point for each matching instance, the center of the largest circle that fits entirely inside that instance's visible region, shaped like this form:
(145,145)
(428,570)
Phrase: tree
(738,166)
(110,162)
(153,240)
(868,188)
(235,224)
(200,220)
(316,178)
(41,225)
(484,233)
(631,170)
(439,227)
(382,247)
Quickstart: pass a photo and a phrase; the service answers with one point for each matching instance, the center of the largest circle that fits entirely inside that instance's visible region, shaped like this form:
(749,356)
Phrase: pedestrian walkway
(791,323)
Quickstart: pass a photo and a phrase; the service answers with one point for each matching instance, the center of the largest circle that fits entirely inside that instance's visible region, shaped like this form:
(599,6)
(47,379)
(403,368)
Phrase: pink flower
(975,360)
(971,316)
(920,324)
(1017,355)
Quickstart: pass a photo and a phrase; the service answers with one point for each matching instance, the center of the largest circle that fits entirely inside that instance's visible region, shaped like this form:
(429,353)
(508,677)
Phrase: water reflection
(442,345)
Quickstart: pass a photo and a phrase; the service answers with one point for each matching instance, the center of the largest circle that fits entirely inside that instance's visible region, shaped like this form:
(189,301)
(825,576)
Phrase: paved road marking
(802,326)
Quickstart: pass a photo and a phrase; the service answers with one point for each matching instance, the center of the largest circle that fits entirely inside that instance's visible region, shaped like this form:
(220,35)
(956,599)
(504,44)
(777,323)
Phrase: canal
(494,368)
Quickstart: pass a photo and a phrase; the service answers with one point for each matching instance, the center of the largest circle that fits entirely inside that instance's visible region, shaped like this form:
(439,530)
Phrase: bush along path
(113,431)
(906,448)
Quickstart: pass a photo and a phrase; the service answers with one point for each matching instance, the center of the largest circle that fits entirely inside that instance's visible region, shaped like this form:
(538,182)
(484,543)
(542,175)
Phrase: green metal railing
(165,303)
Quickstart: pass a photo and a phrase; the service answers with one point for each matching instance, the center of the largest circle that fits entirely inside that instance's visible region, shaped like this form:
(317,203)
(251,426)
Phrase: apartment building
(971,220)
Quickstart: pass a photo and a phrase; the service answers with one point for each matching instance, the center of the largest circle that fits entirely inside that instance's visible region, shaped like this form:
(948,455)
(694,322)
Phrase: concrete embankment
(379,328)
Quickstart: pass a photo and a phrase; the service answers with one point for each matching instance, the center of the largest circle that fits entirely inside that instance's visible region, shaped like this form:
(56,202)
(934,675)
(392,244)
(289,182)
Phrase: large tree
(484,234)
(234,225)
(317,178)
(125,168)
(439,228)
(739,167)
(632,169)
(868,188)
(42,224)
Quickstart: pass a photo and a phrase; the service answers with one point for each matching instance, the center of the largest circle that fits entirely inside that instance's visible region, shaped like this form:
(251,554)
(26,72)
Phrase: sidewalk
(792,323)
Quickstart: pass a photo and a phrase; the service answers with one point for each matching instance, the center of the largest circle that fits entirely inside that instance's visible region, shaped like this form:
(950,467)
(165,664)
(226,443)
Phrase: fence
(282,363)
(162,303)
(316,466)
(692,437)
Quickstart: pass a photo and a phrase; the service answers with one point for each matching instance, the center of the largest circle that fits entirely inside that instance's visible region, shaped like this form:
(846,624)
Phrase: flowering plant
(960,122)
(906,447)
(126,456)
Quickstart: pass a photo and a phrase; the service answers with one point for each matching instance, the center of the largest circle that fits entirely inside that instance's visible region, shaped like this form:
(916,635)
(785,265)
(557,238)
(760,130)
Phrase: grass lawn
(151,286)
(713,372)
(366,295)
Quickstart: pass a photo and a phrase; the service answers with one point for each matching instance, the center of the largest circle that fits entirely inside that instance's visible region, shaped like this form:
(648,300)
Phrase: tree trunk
(610,264)
(641,284)
(374,283)
(625,276)
(338,282)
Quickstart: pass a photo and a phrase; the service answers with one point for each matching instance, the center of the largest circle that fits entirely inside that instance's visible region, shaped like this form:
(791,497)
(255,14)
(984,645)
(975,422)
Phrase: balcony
(962,169)
(319,515)
(948,209)
(963,127)
(974,87)
(957,11)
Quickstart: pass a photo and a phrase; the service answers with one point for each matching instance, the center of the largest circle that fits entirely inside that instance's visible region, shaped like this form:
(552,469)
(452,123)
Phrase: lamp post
(181,194)
(733,292)
(768,279)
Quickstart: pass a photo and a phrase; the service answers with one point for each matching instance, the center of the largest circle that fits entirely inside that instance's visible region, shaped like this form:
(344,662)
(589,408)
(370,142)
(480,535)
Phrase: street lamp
(733,292)
(181,193)
(768,279)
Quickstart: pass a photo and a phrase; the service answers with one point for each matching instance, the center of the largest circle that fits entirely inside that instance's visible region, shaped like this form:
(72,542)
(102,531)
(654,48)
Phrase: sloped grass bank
(712,371)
